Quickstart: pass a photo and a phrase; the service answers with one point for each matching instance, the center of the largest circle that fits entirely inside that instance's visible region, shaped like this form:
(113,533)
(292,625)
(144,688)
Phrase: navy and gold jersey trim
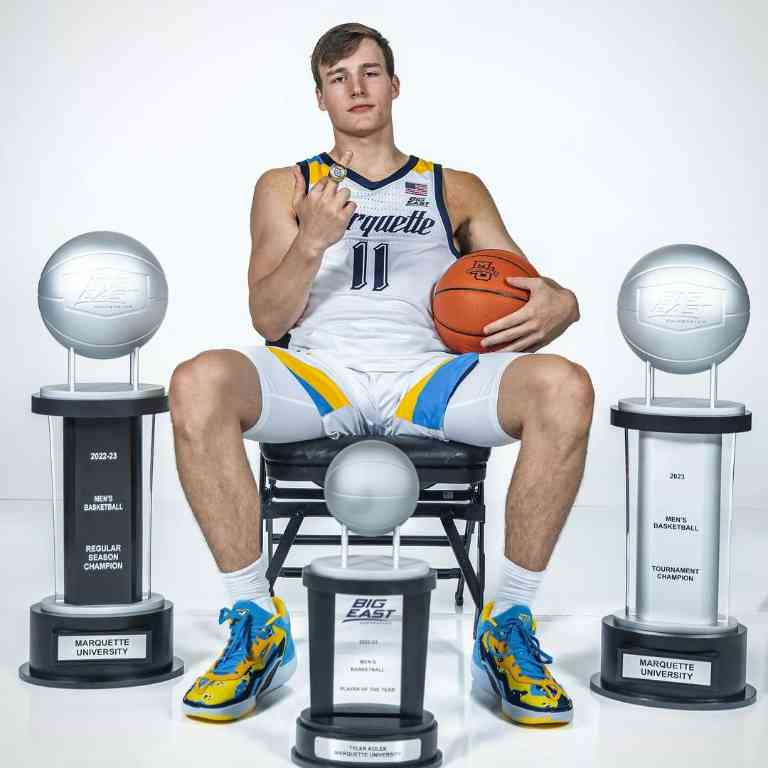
(304,168)
(440,199)
(367,183)
(314,168)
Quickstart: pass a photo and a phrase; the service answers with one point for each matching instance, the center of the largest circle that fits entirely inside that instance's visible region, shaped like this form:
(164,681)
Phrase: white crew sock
(518,586)
(250,583)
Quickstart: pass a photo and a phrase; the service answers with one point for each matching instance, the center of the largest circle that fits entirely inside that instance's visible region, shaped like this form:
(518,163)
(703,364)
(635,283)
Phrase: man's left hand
(549,311)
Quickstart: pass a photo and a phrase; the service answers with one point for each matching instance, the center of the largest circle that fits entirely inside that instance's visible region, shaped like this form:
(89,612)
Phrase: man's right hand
(325,212)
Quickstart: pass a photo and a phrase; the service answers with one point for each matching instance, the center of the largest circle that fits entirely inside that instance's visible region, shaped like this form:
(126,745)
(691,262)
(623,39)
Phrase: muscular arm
(476,220)
(282,266)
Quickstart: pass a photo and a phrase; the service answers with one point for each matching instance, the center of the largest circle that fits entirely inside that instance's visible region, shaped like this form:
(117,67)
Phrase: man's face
(357,92)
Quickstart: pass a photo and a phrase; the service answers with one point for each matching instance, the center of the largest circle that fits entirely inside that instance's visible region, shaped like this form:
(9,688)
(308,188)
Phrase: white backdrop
(604,130)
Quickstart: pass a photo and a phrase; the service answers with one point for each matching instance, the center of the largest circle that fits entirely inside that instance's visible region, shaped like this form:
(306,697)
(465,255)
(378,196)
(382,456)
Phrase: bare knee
(549,391)
(562,393)
(208,387)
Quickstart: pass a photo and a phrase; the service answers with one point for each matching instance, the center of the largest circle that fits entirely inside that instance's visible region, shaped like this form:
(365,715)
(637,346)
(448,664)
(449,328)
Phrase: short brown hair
(342,41)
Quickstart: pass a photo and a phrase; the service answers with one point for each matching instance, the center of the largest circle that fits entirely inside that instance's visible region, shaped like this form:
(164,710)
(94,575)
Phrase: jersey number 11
(360,265)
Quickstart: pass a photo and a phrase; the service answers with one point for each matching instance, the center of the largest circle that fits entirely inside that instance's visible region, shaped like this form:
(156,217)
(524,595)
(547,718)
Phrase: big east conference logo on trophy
(370,611)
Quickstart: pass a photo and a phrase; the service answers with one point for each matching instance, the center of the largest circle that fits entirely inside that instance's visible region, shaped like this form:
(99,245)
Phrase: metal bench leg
(270,547)
(468,530)
(268,523)
(457,545)
(286,540)
(480,572)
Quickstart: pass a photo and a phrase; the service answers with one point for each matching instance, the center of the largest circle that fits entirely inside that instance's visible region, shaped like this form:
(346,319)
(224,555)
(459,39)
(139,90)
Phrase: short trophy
(102,295)
(682,309)
(368,624)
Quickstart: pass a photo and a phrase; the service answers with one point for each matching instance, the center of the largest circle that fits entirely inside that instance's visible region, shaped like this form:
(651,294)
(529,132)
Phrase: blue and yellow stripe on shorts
(325,394)
(424,403)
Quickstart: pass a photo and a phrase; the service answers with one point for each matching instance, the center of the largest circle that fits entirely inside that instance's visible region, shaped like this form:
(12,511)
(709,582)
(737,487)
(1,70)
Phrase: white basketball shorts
(449,397)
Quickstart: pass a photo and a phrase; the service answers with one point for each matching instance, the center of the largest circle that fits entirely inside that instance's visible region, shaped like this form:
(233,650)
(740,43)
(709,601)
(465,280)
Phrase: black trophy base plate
(715,666)
(366,737)
(647,700)
(176,670)
(82,650)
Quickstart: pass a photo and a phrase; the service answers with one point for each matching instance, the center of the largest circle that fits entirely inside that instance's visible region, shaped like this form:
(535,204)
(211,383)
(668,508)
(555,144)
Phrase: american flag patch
(412,188)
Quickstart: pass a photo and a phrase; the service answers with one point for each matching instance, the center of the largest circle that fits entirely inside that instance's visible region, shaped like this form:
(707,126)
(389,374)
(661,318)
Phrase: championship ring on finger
(337,173)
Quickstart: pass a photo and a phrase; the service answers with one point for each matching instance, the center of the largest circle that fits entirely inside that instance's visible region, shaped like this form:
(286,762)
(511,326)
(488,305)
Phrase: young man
(346,248)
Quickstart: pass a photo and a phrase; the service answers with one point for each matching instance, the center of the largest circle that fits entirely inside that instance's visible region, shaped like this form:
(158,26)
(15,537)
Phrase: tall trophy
(368,624)
(682,309)
(102,295)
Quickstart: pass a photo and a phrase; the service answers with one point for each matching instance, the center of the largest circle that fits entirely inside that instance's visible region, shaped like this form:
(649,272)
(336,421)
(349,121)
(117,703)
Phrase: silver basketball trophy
(102,295)
(368,624)
(682,309)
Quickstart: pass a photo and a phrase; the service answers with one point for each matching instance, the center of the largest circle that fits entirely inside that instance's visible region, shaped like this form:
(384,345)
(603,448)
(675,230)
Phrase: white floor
(144,726)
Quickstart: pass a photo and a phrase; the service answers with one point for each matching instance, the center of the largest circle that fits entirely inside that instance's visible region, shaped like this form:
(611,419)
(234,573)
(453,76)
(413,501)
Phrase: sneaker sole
(236,711)
(482,685)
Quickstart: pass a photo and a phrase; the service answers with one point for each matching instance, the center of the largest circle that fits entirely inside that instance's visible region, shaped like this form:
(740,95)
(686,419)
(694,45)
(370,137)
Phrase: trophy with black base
(102,295)
(368,624)
(683,309)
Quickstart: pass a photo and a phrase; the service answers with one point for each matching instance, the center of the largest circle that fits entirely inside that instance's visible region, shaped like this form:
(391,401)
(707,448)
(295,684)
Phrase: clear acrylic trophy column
(101,557)
(679,509)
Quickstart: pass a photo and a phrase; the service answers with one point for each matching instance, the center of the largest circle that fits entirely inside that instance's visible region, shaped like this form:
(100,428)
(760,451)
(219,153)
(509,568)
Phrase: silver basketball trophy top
(102,295)
(682,309)
(371,488)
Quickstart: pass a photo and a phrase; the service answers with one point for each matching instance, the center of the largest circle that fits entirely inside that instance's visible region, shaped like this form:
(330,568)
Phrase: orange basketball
(473,293)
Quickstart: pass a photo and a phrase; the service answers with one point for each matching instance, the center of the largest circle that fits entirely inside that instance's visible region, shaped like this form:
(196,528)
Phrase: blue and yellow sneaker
(508,663)
(259,657)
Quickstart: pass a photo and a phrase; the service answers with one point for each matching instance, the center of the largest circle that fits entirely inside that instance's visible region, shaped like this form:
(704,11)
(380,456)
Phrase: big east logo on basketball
(108,292)
(483,270)
(370,610)
(681,306)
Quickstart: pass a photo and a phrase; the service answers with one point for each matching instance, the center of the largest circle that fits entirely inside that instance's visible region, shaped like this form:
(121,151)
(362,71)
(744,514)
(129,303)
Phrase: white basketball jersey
(369,304)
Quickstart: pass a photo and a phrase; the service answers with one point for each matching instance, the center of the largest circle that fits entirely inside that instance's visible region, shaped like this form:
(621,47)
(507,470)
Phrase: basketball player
(346,248)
